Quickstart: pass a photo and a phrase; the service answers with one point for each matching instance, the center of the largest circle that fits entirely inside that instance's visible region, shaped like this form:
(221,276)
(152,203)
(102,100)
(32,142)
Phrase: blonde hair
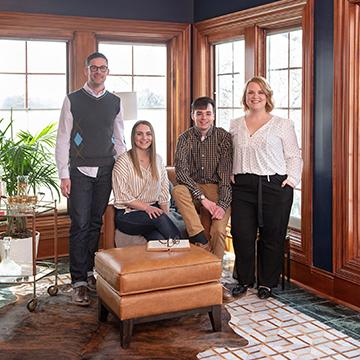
(265,87)
(152,151)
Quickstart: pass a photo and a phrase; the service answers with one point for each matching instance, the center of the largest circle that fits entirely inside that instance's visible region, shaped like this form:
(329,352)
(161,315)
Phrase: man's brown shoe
(206,246)
(91,283)
(227,297)
(80,296)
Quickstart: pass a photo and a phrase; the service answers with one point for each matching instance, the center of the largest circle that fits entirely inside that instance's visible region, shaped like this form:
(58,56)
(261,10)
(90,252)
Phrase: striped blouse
(128,186)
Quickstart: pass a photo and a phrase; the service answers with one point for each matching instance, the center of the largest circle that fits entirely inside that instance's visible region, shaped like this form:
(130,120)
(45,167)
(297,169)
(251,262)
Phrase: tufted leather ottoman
(138,285)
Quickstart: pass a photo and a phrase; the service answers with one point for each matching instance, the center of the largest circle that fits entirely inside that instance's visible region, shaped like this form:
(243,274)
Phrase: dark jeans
(276,205)
(87,203)
(139,223)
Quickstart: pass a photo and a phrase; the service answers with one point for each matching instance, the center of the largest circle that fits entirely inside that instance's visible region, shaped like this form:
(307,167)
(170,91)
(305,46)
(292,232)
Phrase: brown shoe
(91,283)
(80,296)
(227,297)
(206,246)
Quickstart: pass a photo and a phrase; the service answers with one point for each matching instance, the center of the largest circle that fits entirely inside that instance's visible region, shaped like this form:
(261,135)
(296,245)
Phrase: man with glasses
(203,166)
(90,136)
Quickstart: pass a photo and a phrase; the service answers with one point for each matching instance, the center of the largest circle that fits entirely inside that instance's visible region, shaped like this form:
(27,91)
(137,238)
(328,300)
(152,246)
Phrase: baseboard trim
(326,285)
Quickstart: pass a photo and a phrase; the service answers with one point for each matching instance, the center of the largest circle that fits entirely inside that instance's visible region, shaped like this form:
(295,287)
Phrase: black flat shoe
(240,289)
(264,292)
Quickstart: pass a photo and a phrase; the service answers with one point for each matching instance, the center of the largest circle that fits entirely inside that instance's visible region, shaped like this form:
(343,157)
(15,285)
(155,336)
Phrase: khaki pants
(198,219)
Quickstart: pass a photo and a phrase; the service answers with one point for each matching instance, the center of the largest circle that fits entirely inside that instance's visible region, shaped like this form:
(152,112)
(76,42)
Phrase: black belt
(268,178)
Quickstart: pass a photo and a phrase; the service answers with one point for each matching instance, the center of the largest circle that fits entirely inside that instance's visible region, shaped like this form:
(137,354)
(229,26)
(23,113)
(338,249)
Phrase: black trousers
(140,223)
(260,206)
(87,203)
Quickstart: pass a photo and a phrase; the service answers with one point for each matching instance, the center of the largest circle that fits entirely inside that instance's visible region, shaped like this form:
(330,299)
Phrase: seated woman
(141,188)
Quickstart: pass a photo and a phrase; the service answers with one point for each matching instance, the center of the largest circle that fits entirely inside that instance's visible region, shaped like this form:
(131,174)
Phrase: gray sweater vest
(91,142)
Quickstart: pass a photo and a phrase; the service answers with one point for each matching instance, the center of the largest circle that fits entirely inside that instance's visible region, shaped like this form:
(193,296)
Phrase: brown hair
(152,150)
(95,55)
(265,87)
(202,103)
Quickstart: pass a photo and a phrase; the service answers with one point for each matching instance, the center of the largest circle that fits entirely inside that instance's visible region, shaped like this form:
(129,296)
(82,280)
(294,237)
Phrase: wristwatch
(202,197)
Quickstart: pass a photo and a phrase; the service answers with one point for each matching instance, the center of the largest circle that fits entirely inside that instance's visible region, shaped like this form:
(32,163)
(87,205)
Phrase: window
(141,68)
(229,81)
(35,74)
(36,82)
(284,72)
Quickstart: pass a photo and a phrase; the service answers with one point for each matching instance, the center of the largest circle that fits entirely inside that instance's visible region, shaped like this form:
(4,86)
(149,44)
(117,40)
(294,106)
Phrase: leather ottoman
(138,285)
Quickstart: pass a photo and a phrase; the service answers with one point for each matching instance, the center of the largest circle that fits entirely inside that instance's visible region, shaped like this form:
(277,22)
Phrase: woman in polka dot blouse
(267,166)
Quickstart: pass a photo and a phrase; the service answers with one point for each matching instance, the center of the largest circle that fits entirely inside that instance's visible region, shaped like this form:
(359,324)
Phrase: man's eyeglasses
(94,68)
(170,242)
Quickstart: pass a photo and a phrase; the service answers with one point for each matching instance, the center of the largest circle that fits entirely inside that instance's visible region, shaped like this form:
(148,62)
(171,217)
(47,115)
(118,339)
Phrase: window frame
(252,24)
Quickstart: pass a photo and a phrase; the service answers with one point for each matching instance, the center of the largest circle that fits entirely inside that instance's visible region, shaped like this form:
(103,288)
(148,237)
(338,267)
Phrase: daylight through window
(141,68)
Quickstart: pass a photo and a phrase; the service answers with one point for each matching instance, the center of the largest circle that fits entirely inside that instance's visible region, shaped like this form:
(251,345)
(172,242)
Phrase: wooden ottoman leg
(126,329)
(103,312)
(215,317)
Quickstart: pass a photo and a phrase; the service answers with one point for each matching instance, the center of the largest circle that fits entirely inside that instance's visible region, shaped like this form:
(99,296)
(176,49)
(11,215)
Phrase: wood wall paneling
(346,141)
(45,225)
(326,284)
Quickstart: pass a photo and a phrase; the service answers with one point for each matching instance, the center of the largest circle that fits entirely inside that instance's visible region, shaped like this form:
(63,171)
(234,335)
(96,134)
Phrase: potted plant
(27,165)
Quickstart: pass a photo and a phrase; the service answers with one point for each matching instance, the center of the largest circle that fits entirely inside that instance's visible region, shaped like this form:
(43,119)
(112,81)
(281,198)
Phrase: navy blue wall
(323,103)
(206,9)
(157,10)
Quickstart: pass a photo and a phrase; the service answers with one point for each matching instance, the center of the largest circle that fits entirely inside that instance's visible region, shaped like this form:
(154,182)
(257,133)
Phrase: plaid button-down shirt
(207,161)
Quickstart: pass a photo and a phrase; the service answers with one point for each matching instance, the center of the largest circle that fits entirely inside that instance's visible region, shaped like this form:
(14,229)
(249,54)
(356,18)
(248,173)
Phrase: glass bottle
(7,244)
(8,267)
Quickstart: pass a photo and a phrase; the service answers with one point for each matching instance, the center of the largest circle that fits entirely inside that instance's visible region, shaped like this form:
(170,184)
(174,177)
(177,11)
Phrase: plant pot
(21,249)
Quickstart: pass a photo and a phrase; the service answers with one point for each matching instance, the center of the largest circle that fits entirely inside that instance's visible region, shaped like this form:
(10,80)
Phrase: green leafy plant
(31,156)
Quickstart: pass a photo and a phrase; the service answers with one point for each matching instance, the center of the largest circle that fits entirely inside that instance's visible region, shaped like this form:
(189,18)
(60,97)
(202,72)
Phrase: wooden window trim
(346,141)
(83,34)
(253,24)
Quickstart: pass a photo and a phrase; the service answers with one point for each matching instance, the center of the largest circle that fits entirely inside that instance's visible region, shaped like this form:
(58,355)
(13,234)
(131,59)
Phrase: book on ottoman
(168,245)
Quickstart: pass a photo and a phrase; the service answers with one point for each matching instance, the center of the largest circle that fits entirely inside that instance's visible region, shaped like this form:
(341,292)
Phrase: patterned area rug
(57,329)
(274,330)
(277,331)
